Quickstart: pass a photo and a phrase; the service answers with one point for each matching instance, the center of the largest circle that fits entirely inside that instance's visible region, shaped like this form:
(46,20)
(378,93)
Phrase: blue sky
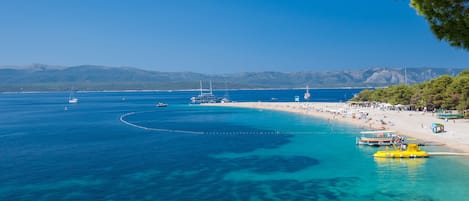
(221,36)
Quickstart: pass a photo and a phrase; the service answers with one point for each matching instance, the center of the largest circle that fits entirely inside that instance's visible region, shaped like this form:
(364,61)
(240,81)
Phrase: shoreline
(180,90)
(407,123)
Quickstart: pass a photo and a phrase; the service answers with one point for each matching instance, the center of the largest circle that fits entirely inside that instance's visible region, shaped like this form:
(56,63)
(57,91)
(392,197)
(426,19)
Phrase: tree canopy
(448,19)
(444,92)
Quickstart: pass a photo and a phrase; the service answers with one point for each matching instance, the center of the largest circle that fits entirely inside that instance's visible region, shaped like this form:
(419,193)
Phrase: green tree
(364,95)
(399,94)
(416,100)
(378,95)
(448,19)
(434,94)
(458,92)
(443,92)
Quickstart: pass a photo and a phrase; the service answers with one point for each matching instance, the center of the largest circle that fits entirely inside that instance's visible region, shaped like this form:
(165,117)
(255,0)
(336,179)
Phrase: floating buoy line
(123,120)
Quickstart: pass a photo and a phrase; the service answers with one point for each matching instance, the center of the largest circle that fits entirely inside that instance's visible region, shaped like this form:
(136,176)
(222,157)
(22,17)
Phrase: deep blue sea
(52,150)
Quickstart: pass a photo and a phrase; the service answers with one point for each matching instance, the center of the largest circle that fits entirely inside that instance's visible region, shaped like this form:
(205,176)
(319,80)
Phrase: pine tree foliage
(448,19)
(444,92)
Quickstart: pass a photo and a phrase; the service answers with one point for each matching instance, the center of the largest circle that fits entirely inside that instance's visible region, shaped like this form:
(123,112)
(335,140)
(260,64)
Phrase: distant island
(40,77)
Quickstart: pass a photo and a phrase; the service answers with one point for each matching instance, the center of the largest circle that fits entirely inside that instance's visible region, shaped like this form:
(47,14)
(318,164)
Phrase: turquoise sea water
(87,153)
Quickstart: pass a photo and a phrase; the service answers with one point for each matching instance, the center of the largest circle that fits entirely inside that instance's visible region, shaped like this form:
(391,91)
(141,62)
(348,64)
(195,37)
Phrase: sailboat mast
(405,75)
(201,91)
(70,94)
(226,90)
(307,94)
(211,87)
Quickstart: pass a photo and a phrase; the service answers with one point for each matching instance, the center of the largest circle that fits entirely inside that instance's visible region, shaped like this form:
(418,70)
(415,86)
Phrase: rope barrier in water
(153,129)
(233,132)
(122,119)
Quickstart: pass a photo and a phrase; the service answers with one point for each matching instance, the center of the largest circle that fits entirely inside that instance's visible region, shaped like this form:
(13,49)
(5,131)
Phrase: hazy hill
(88,77)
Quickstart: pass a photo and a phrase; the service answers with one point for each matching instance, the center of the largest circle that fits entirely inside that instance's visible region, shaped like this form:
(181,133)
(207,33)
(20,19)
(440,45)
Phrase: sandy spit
(407,123)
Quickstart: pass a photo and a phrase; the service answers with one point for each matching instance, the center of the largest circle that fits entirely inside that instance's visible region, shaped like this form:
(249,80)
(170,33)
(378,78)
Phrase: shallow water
(87,153)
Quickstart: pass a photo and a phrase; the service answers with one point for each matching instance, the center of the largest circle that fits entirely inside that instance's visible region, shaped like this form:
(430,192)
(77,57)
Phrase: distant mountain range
(40,77)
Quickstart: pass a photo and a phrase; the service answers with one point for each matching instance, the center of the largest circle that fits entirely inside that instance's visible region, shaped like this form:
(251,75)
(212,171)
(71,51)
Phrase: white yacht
(71,98)
(205,97)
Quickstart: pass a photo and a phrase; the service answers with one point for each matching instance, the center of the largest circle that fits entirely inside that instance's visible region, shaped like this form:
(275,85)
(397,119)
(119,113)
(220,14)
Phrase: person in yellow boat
(403,146)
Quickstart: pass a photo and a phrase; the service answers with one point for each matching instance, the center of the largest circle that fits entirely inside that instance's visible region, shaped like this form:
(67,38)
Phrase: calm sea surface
(51,150)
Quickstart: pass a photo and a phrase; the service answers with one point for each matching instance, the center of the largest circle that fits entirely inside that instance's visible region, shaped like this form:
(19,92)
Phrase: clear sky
(221,36)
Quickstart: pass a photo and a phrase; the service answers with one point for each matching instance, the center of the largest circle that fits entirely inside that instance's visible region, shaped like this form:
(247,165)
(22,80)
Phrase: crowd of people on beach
(417,124)
(367,116)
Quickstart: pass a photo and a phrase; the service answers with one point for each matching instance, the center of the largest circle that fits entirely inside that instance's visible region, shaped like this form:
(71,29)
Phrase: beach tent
(386,106)
(438,128)
(402,107)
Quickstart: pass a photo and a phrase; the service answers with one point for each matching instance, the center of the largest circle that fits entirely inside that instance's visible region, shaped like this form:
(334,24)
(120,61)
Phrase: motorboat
(377,138)
(161,105)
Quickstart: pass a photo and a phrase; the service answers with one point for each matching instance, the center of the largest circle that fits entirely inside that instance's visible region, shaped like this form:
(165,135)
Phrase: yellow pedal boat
(412,151)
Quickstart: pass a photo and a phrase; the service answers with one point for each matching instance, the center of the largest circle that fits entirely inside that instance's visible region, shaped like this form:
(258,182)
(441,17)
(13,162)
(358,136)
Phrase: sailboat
(205,97)
(72,99)
(225,99)
(307,94)
(160,104)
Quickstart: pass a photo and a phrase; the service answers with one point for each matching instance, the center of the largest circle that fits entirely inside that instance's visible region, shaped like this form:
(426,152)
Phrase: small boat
(225,100)
(406,151)
(71,98)
(377,138)
(161,105)
(397,163)
(374,141)
(307,94)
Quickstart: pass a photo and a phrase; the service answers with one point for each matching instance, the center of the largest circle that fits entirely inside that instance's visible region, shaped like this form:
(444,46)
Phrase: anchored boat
(161,104)
(411,151)
(377,138)
(307,94)
(71,98)
(205,97)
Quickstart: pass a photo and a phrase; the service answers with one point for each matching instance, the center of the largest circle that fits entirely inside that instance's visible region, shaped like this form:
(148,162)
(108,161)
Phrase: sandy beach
(407,123)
